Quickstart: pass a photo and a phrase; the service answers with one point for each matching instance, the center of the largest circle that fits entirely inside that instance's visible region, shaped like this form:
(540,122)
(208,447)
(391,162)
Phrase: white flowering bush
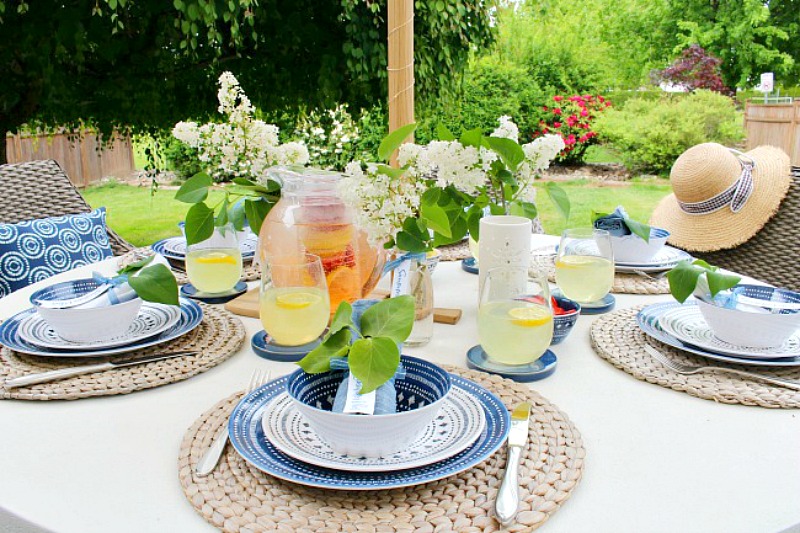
(446,185)
(331,137)
(243,146)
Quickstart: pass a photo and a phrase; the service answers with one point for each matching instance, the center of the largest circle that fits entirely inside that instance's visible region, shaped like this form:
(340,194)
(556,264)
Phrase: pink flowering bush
(571,118)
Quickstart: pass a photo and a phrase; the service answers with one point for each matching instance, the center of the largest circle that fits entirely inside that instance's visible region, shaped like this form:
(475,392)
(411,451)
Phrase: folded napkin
(385,395)
(614,223)
(119,292)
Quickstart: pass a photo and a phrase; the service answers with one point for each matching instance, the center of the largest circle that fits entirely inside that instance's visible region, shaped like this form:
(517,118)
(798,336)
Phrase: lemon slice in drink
(529,316)
(576,261)
(297,300)
(215,258)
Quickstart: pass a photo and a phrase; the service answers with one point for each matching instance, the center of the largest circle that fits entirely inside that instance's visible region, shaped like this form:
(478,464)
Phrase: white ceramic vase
(505,240)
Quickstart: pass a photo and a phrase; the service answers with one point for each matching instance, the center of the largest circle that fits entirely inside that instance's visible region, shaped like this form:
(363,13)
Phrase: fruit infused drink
(584,278)
(294,315)
(214,270)
(514,332)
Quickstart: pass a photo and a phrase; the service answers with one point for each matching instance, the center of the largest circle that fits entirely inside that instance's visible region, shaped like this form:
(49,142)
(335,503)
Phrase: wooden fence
(84,159)
(775,124)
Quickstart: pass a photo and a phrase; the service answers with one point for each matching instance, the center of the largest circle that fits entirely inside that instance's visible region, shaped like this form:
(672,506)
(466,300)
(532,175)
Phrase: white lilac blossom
(507,129)
(330,136)
(243,146)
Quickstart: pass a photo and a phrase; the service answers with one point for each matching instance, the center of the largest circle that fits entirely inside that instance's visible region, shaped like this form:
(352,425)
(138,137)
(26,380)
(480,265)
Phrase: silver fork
(209,461)
(682,368)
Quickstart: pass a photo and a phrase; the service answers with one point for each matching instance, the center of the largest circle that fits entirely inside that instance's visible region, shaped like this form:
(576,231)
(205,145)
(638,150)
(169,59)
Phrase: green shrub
(180,158)
(650,135)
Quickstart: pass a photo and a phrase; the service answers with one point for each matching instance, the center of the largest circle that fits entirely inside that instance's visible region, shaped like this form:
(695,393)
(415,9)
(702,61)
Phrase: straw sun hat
(722,197)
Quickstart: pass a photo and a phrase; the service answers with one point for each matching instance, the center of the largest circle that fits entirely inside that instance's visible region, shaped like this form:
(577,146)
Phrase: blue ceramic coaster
(604,305)
(265,347)
(190,291)
(539,369)
(470,264)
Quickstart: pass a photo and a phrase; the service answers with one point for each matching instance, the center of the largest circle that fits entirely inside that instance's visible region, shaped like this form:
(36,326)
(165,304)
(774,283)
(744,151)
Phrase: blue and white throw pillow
(38,249)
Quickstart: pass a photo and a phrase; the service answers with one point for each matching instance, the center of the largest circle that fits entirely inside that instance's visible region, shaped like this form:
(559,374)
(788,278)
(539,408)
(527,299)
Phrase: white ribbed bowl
(419,398)
(634,249)
(85,325)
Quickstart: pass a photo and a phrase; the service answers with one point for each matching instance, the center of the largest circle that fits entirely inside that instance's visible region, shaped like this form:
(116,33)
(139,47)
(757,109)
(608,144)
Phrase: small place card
(401,279)
(355,403)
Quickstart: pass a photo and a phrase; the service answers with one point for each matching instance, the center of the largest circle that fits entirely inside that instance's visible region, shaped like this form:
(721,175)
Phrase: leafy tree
(142,65)
(695,69)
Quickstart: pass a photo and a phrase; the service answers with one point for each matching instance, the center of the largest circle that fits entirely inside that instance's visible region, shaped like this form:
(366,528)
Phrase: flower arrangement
(571,119)
(446,185)
(242,146)
(330,136)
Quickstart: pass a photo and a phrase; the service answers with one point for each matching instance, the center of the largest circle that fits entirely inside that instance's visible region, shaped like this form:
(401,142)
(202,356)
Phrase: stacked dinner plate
(665,259)
(683,326)
(268,431)
(28,333)
(174,248)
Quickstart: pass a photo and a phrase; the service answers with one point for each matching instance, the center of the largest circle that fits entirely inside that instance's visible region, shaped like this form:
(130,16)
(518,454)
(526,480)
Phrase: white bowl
(634,249)
(371,435)
(753,329)
(85,325)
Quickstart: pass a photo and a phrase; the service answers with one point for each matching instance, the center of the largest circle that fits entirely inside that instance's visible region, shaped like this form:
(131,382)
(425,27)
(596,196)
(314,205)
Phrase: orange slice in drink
(529,316)
(343,284)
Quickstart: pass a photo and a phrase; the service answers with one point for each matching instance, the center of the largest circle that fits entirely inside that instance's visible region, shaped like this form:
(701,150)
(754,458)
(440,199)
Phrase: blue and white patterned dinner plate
(175,247)
(190,317)
(458,424)
(151,320)
(665,259)
(647,319)
(247,436)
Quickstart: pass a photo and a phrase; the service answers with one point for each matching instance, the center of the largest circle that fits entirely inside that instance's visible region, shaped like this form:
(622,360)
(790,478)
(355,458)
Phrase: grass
(601,154)
(143,219)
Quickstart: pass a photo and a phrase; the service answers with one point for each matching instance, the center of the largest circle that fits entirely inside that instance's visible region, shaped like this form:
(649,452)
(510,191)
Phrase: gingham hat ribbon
(734,196)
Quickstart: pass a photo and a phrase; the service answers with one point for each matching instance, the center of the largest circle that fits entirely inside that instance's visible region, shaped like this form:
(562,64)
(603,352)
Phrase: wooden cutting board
(248,305)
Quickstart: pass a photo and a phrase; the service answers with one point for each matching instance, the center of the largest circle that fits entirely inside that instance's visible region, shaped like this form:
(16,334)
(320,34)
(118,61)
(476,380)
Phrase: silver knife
(507,502)
(62,373)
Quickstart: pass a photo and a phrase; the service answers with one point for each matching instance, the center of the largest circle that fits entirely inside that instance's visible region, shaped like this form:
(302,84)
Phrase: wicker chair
(770,256)
(39,189)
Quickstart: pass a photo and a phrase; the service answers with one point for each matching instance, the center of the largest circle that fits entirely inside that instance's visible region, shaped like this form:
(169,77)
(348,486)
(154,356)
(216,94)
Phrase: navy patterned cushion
(37,249)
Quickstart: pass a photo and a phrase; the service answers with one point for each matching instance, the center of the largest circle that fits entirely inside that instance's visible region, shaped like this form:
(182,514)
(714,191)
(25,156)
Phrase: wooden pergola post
(401,64)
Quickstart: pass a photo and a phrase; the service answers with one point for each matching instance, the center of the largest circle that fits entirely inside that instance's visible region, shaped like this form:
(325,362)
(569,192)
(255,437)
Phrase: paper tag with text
(400,281)
(355,403)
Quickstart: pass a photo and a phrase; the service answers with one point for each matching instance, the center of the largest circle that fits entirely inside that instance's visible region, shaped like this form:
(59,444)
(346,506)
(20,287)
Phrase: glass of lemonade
(214,266)
(585,264)
(295,305)
(515,317)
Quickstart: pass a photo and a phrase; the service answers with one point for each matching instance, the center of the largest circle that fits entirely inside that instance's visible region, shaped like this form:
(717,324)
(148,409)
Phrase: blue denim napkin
(614,223)
(385,395)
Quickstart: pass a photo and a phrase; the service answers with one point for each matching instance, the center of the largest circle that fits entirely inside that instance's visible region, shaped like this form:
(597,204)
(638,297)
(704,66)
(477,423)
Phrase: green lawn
(143,219)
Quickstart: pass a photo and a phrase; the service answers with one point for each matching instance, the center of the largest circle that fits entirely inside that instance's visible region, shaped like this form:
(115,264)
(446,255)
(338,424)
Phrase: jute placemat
(456,251)
(237,497)
(623,283)
(218,336)
(618,340)
(250,272)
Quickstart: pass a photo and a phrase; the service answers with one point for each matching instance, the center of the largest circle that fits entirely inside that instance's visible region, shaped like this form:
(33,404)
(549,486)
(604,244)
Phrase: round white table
(657,460)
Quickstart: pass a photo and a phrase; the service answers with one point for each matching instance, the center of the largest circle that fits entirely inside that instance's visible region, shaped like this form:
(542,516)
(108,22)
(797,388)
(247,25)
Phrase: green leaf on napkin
(137,265)
(642,230)
(343,318)
(374,361)
(318,360)
(155,284)
(199,224)
(685,276)
(392,318)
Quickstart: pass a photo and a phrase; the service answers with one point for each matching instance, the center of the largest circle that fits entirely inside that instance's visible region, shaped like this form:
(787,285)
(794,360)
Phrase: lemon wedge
(529,316)
(576,261)
(216,258)
(297,300)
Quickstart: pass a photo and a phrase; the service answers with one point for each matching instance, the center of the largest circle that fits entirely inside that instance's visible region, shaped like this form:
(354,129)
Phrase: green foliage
(650,135)
(374,356)
(154,283)
(180,158)
(687,278)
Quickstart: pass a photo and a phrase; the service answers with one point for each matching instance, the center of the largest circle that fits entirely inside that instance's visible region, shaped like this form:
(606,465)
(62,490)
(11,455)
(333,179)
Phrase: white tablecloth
(657,460)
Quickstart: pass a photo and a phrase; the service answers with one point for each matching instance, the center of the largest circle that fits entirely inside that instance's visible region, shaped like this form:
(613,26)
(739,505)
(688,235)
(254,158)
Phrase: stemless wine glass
(515,317)
(214,265)
(585,264)
(295,306)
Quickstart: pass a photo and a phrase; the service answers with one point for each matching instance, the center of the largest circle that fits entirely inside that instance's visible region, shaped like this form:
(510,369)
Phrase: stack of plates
(174,248)
(28,333)
(665,259)
(270,433)
(683,326)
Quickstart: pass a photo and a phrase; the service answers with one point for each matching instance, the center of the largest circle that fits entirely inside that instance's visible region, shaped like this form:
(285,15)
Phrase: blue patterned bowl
(562,324)
(419,396)
(85,325)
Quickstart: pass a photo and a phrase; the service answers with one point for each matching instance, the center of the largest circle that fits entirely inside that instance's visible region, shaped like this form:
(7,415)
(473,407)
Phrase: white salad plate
(151,320)
(687,324)
(665,259)
(459,423)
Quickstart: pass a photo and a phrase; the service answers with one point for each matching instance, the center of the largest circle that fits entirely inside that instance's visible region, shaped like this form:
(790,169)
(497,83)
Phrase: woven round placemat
(250,272)
(618,340)
(218,336)
(623,283)
(237,497)
(456,251)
